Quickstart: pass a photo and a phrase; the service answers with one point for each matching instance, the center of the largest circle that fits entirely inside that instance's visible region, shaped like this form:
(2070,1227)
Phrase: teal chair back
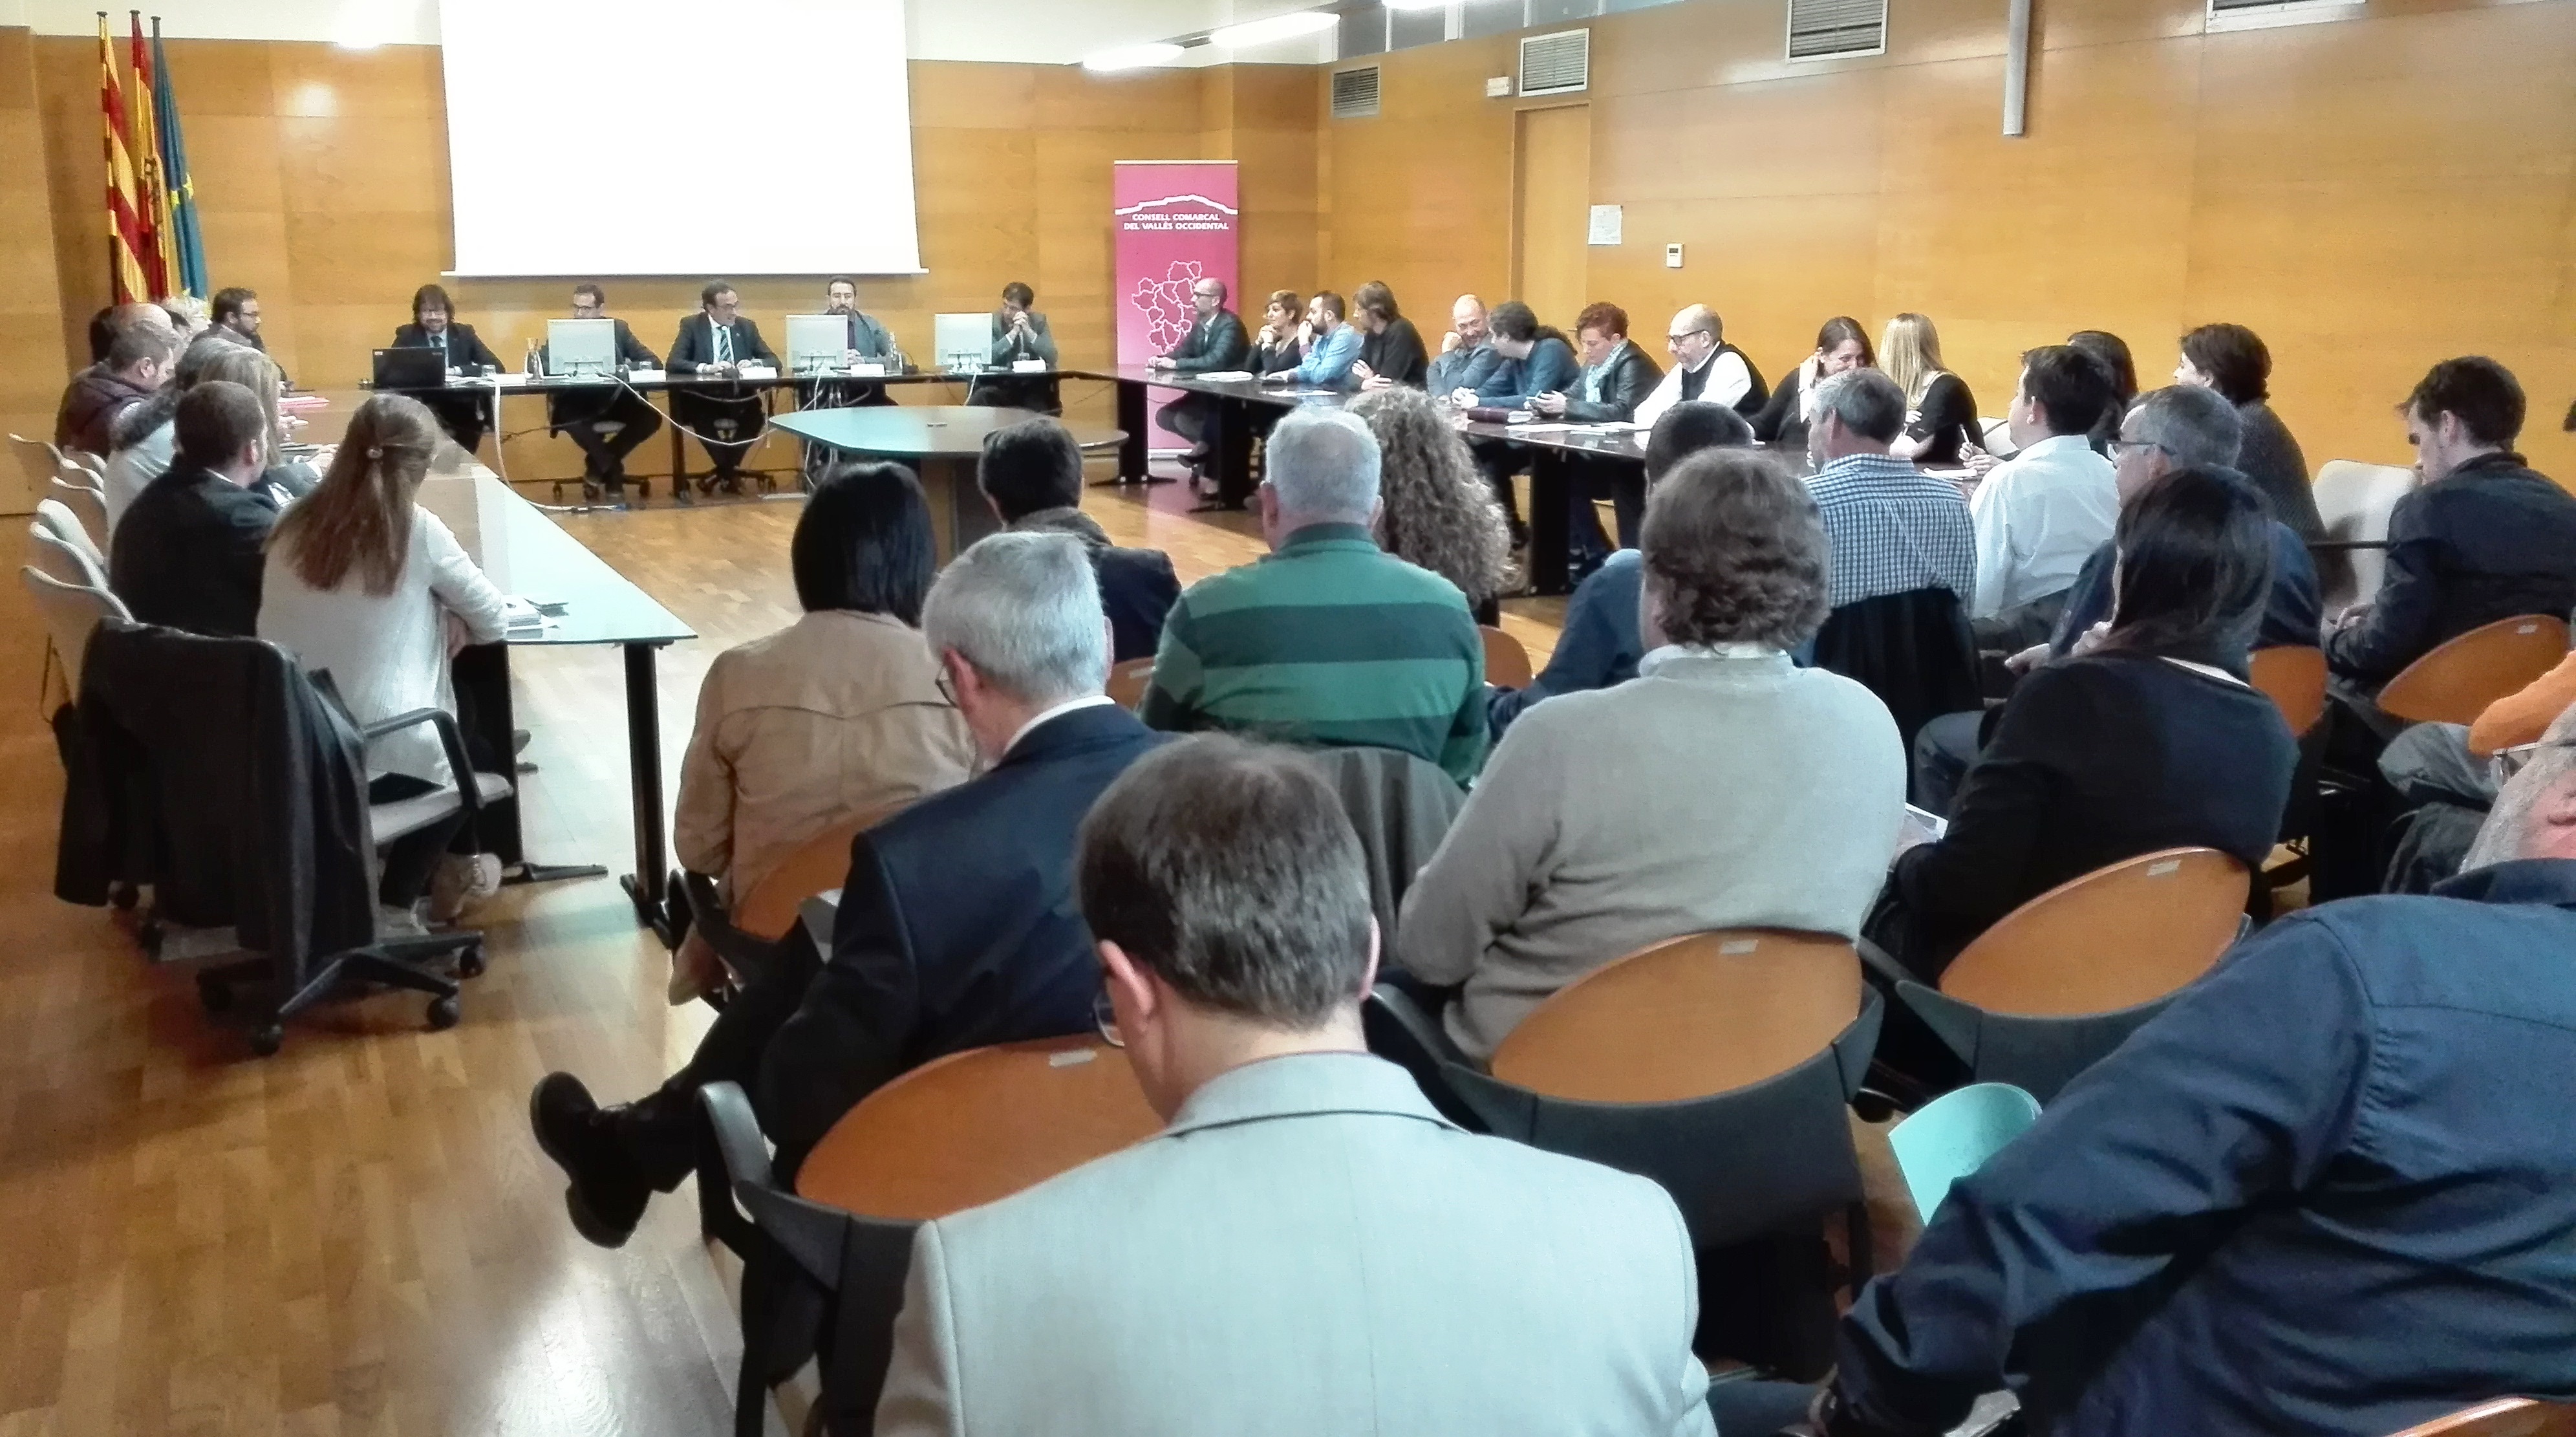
(1953,1135)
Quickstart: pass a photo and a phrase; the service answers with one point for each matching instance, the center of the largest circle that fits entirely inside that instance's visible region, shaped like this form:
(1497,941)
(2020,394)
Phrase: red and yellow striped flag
(143,146)
(126,242)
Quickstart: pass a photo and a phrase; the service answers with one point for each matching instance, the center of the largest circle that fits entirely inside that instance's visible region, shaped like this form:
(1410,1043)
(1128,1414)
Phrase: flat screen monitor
(965,340)
(581,346)
(816,341)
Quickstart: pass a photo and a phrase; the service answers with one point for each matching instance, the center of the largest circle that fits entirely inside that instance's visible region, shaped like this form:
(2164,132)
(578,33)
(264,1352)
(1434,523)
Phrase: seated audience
(2112,353)
(139,360)
(1616,377)
(837,715)
(1608,821)
(188,553)
(1705,367)
(1465,356)
(1329,640)
(1325,1252)
(1391,352)
(1215,345)
(2039,513)
(233,315)
(1893,528)
(145,436)
(1941,423)
(957,927)
(2233,360)
(467,415)
(2327,1192)
(1599,645)
(1031,475)
(1433,508)
(363,583)
(1841,345)
(2445,776)
(2485,538)
(2146,743)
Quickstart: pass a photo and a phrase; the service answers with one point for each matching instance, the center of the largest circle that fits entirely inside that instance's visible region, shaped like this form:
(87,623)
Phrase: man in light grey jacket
(1307,1247)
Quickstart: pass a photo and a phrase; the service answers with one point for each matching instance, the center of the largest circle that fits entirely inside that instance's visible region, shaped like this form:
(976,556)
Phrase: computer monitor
(965,340)
(581,346)
(816,341)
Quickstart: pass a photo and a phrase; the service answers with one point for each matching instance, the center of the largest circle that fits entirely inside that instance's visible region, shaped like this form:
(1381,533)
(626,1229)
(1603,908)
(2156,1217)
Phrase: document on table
(1220,376)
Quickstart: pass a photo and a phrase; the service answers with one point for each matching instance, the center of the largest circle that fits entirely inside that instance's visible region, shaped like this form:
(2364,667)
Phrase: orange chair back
(1127,683)
(1704,1013)
(2506,1417)
(818,865)
(976,1127)
(2456,682)
(1507,663)
(2114,938)
(2294,679)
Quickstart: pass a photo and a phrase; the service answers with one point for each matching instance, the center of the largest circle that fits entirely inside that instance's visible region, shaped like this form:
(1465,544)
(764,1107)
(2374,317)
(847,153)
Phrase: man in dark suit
(189,550)
(1216,345)
(611,422)
(1031,473)
(957,925)
(1020,333)
(1617,376)
(465,415)
(715,343)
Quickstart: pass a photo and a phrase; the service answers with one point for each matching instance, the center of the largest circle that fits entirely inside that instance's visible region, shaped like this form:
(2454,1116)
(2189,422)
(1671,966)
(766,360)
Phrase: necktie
(724,344)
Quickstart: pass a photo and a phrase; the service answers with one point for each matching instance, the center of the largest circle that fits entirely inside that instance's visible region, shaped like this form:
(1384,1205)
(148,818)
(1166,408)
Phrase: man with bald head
(1466,358)
(1216,344)
(1705,367)
(2327,1192)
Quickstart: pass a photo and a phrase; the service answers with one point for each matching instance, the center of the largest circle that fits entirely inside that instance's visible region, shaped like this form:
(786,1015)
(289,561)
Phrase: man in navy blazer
(957,924)
(715,343)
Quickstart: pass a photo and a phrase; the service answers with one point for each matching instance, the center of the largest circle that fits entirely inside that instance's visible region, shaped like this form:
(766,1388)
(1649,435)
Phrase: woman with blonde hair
(1434,506)
(1940,413)
(361,582)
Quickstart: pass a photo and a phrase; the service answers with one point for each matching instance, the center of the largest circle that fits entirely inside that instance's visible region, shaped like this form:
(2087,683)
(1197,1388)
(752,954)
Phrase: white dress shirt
(1728,382)
(1092,701)
(2038,516)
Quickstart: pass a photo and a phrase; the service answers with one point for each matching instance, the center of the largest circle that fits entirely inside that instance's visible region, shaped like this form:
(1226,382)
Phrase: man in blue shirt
(1330,345)
(2330,1192)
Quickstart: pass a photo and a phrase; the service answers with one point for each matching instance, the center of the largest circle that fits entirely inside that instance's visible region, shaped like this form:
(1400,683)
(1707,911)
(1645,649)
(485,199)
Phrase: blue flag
(188,244)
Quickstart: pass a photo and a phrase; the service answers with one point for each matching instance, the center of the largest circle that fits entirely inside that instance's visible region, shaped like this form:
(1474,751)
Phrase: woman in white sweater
(360,583)
(1723,787)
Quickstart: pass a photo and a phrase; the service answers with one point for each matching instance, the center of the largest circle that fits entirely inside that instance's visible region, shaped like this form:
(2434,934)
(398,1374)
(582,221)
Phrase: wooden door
(1552,195)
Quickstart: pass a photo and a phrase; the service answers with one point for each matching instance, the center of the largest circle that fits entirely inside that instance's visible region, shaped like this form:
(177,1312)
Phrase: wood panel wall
(2370,195)
(323,175)
(31,318)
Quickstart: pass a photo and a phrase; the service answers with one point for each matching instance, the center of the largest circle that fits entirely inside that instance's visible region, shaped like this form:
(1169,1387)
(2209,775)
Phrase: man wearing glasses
(715,343)
(957,926)
(1705,367)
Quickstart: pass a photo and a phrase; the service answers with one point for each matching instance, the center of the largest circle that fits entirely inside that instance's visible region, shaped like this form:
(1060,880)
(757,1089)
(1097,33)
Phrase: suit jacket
(1630,376)
(957,928)
(1312,1250)
(464,346)
(189,553)
(576,408)
(2490,540)
(1215,345)
(1466,367)
(695,345)
(1008,347)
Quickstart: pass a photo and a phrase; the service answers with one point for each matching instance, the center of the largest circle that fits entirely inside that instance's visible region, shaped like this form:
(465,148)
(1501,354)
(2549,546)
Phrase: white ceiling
(1032,31)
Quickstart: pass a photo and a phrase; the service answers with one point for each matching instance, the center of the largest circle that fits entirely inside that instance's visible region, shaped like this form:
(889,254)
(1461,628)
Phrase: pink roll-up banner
(1176,225)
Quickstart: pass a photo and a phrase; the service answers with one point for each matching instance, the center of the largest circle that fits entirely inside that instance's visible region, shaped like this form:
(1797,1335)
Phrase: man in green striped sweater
(1329,641)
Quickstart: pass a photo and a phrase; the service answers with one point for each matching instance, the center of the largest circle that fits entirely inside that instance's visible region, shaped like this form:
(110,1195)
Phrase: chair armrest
(2343,546)
(738,1139)
(450,739)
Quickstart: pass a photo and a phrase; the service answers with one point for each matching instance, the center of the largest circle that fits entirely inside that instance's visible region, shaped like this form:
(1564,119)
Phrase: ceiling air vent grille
(1355,93)
(1557,64)
(1820,28)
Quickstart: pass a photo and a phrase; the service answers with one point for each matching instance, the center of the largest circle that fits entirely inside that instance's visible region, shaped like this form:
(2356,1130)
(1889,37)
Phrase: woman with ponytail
(360,582)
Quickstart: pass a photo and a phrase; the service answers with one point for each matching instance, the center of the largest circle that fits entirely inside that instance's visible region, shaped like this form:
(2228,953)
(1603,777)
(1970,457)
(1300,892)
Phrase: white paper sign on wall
(1606,223)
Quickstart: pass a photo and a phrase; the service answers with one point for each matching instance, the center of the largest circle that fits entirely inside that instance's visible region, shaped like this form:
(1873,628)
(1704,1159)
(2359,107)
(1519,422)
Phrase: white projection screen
(678,137)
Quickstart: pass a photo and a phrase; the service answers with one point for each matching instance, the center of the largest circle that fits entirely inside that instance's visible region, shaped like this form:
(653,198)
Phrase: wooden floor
(357,1235)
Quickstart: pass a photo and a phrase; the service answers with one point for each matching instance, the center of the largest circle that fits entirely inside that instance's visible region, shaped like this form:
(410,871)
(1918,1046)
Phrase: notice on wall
(1606,223)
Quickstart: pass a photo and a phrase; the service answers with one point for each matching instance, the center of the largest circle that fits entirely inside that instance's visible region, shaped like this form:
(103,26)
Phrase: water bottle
(536,366)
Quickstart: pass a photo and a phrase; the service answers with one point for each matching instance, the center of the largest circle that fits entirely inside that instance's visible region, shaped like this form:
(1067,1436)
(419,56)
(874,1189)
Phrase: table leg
(1234,452)
(1131,420)
(647,886)
(1550,480)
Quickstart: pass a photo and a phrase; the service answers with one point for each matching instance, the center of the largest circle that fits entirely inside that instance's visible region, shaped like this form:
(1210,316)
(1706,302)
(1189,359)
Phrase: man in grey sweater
(1723,787)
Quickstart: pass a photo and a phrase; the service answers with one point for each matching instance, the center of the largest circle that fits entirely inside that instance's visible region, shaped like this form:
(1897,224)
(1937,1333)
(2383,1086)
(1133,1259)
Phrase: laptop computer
(415,368)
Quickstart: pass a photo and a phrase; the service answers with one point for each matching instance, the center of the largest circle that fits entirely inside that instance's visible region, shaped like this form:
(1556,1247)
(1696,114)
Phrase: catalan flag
(143,146)
(180,241)
(127,240)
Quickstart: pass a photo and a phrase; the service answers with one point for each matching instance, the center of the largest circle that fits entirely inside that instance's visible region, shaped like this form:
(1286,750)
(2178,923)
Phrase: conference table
(941,443)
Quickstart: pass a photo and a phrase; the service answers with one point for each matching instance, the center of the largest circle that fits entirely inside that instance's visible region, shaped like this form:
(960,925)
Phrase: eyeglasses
(2123,447)
(1104,1016)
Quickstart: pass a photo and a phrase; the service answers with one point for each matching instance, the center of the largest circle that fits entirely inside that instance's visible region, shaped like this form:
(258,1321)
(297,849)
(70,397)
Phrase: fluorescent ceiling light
(1417,4)
(1277,27)
(1132,57)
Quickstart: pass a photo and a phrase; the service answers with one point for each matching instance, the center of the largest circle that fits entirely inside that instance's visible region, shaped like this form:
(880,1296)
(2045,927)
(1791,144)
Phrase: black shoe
(607,1194)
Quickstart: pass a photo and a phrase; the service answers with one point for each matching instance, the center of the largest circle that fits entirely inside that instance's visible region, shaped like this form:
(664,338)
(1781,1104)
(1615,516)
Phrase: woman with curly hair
(1435,509)
(1723,787)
